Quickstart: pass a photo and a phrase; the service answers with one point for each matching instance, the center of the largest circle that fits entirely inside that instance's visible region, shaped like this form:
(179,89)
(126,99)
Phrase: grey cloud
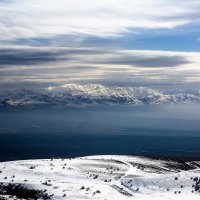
(40,66)
(36,56)
(28,57)
(77,41)
(147,61)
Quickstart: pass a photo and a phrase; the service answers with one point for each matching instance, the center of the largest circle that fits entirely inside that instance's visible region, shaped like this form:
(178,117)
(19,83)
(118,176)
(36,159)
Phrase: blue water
(46,132)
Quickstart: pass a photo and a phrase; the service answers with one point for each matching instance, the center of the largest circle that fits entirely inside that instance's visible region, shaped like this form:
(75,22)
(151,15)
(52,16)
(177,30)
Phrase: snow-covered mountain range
(95,94)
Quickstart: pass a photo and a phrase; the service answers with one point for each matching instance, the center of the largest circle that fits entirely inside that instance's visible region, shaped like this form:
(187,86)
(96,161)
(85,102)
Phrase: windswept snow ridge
(100,177)
(95,94)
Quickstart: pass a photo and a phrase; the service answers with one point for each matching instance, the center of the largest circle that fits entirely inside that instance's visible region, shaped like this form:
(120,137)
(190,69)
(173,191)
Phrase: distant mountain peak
(95,94)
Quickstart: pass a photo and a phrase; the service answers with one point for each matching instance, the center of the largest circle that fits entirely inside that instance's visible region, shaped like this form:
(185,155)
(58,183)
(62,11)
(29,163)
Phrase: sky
(148,43)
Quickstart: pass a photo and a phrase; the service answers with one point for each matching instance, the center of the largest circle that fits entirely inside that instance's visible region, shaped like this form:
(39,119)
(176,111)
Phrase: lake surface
(51,131)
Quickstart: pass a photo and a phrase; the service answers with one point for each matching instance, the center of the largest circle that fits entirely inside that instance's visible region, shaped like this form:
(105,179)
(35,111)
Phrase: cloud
(36,66)
(102,18)
(147,61)
(27,56)
(36,56)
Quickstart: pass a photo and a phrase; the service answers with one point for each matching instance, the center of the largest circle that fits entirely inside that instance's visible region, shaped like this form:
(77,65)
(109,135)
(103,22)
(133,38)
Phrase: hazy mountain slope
(93,94)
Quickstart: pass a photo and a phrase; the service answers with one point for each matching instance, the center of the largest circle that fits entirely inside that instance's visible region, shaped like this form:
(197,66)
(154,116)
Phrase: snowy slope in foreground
(103,178)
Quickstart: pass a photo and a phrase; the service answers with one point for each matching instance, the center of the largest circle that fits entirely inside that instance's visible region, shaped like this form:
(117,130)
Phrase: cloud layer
(43,18)
(34,56)
(46,42)
(52,66)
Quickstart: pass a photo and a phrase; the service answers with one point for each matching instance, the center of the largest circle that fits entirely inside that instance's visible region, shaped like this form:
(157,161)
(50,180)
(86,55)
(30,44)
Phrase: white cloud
(40,18)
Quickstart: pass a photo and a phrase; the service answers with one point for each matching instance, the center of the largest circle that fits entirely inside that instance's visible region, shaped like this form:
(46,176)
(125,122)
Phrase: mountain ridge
(95,94)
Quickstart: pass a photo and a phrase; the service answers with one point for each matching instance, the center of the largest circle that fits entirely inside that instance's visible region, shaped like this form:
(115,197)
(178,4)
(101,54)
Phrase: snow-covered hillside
(95,94)
(100,177)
